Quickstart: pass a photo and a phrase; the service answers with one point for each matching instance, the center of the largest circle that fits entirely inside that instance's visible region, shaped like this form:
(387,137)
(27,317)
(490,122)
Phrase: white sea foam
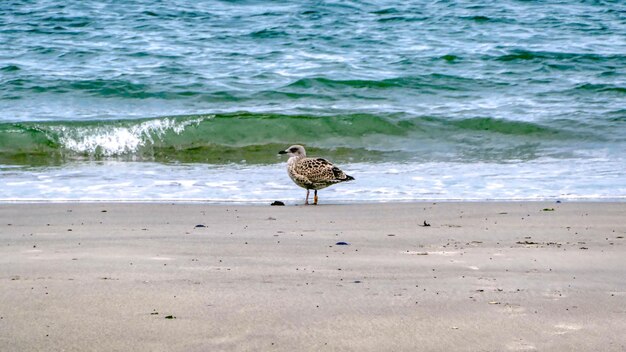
(110,141)
(144,181)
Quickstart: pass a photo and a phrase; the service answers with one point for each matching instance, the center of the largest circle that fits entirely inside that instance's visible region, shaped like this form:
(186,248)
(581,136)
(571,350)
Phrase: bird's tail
(348,178)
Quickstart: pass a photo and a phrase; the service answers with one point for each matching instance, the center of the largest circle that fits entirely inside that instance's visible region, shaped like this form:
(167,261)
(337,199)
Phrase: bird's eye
(293,150)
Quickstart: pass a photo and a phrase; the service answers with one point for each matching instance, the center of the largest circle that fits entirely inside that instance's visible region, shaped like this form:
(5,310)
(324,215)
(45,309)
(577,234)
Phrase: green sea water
(385,85)
(254,137)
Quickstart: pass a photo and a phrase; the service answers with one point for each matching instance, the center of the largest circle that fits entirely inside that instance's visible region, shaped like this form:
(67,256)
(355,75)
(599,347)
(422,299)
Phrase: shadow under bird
(312,173)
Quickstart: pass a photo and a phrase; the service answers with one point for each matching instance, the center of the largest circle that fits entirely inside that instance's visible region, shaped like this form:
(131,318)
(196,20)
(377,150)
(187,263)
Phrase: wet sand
(145,277)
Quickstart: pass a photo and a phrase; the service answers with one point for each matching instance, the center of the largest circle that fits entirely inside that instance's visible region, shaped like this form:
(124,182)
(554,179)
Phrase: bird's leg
(315,198)
(306,201)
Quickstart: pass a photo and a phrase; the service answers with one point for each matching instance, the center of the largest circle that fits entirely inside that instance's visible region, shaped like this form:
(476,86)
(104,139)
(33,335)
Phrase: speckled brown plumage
(312,173)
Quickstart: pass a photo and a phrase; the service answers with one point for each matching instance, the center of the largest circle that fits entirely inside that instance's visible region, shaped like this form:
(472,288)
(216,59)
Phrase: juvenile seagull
(312,173)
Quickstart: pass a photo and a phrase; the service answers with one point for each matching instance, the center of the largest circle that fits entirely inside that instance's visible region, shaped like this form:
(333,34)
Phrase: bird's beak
(282,152)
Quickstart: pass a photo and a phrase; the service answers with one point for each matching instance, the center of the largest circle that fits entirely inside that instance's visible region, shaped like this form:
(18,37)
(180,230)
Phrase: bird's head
(294,150)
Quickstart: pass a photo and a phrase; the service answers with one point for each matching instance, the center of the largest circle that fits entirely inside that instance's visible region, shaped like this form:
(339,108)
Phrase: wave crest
(256,137)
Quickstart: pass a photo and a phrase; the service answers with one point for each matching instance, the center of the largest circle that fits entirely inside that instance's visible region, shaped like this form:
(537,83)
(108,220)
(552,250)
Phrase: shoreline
(490,276)
(291,202)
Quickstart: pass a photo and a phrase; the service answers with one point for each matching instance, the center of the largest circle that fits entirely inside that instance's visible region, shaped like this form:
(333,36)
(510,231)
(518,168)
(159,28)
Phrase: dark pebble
(342,244)
(200,225)
(277,203)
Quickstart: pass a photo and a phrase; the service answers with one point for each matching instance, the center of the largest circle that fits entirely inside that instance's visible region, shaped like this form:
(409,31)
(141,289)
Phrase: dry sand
(482,277)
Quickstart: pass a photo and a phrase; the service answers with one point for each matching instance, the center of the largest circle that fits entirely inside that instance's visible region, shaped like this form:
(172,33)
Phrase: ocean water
(175,100)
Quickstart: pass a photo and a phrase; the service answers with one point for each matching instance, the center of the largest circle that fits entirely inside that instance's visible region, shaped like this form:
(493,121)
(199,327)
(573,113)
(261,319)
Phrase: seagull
(312,173)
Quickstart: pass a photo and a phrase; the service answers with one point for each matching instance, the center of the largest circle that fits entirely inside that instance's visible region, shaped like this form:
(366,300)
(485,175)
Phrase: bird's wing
(319,170)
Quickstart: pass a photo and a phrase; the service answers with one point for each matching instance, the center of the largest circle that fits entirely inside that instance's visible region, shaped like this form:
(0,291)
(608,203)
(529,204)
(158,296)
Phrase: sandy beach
(371,277)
